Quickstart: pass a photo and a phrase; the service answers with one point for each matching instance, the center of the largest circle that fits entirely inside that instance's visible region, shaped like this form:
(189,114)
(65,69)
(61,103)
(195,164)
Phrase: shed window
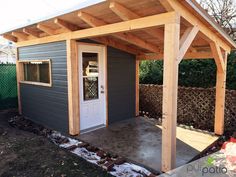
(37,72)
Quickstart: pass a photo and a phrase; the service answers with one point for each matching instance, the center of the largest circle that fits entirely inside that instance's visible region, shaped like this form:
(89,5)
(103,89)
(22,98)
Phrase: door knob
(102,89)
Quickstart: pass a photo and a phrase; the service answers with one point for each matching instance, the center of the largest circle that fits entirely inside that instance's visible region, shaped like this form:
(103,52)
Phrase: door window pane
(90,88)
(90,76)
(90,64)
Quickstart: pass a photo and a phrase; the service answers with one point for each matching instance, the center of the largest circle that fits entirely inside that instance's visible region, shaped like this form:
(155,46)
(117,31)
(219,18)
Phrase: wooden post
(19,75)
(73,86)
(137,88)
(170,89)
(220,99)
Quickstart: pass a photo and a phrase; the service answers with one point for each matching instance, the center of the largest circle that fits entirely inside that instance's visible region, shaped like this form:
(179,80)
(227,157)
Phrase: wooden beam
(20,35)
(167,6)
(220,99)
(31,32)
(170,89)
(137,88)
(73,87)
(126,14)
(186,41)
(46,29)
(113,43)
(94,22)
(217,54)
(192,19)
(127,26)
(66,25)
(188,56)
(10,37)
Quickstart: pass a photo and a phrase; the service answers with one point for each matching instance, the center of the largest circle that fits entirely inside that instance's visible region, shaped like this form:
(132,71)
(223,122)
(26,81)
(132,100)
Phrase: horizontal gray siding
(121,85)
(47,105)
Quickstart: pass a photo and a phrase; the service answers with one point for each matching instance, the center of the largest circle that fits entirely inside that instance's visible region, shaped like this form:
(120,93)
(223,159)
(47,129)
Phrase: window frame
(22,73)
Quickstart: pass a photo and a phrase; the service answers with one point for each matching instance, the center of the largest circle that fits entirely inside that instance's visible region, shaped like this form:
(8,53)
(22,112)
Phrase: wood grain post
(170,89)
(19,75)
(73,87)
(220,99)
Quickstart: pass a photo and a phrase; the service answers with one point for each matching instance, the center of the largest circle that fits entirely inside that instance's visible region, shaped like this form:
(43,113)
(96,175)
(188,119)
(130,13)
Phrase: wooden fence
(196,106)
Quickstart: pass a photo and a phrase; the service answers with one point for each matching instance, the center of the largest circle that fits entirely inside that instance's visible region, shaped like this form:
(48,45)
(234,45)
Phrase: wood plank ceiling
(137,42)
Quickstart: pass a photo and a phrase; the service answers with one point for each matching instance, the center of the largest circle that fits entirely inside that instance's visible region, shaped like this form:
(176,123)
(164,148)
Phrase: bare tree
(224,12)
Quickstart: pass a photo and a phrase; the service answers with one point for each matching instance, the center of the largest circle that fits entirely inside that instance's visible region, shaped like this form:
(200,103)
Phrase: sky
(16,12)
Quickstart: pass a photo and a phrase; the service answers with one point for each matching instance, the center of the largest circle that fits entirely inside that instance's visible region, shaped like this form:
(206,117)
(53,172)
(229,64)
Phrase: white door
(92,86)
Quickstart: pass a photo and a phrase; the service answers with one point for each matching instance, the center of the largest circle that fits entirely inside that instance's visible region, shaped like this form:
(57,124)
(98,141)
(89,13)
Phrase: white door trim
(102,55)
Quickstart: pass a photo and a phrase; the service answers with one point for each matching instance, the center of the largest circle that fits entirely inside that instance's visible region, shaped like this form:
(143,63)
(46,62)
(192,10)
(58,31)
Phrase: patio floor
(139,140)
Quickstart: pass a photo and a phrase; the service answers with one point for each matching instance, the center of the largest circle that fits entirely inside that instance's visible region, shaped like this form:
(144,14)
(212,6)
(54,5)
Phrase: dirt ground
(24,154)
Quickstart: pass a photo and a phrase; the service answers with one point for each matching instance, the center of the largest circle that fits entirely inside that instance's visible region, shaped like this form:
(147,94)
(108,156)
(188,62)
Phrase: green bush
(192,73)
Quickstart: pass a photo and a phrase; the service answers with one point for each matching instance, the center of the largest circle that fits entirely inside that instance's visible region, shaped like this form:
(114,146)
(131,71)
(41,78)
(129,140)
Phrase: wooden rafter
(123,12)
(46,29)
(192,19)
(218,56)
(189,55)
(10,37)
(166,5)
(110,29)
(94,22)
(20,35)
(126,14)
(66,25)
(186,41)
(31,32)
(113,43)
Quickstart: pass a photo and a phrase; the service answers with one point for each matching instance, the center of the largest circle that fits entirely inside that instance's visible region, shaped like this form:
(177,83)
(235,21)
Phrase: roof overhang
(96,13)
(81,5)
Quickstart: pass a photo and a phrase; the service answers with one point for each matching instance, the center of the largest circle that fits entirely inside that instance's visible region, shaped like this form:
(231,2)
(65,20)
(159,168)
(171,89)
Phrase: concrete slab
(139,140)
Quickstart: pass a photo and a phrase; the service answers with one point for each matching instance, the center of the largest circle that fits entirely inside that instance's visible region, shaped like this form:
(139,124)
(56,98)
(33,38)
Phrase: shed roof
(101,13)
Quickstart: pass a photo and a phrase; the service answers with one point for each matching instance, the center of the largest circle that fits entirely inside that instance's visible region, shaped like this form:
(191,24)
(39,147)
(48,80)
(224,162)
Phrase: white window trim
(22,81)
